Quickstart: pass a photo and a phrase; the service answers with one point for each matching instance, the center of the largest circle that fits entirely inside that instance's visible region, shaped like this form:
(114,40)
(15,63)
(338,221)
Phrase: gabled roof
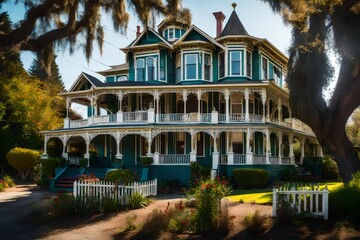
(83,77)
(142,35)
(115,69)
(201,32)
(233,26)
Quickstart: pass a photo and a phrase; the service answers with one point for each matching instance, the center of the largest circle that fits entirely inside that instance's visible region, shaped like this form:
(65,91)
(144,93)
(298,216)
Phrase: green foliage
(330,169)
(313,165)
(2,187)
(83,162)
(250,178)
(180,220)
(255,223)
(23,160)
(120,176)
(288,174)
(156,222)
(137,200)
(54,148)
(207,195)
(345,199)
(48,166)
(199,172)
(8,181)
(284,211)
(146,161)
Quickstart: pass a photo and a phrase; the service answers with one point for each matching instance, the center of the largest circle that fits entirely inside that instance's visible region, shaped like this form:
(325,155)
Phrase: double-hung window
(264,68)
(150,69)
(207,66)
(191,66)
(277,75)
(140,70)
(221,65)
(235,67)
(248,64)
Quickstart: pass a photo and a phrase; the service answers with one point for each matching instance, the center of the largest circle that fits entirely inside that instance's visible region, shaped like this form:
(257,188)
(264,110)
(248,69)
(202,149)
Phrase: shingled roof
(234,26)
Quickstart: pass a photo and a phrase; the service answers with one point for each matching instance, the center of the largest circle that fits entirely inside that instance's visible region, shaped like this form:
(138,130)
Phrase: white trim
(241,73)
(196,66)
(136,70)
(249,75)
(267,69)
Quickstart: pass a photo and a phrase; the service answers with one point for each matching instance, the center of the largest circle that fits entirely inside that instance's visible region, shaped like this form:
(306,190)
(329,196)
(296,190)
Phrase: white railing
(236,117)
(101,119)
(255,118)
(222,117)
(223,159)
(174,159)
(101,189)
(74,160)
(173,117)
(78,123)
(205,117)
(310,200)
(138,116)
(274,160)
(286,160)
(259,159)
(239,158)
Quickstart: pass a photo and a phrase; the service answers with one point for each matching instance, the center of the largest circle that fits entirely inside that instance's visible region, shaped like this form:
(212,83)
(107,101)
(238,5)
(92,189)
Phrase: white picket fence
(103,189)
(310,200)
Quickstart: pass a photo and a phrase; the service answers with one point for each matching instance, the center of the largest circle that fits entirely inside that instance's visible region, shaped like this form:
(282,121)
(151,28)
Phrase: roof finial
(234,5)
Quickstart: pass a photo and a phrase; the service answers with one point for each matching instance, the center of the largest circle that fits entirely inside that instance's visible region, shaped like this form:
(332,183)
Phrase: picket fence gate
(303,199)
(103,189)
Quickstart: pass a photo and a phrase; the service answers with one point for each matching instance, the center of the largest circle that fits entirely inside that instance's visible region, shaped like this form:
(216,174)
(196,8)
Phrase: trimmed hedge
(250,178)
(22,158)
(48,166)
(120,176)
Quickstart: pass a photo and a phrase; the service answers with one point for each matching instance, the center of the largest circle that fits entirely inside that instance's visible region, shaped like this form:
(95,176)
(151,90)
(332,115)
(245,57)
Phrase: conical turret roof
(234,26)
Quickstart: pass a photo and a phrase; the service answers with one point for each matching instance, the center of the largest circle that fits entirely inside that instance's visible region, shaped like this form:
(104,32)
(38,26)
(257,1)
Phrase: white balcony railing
(135,117)
(236,117)
(239,158)
(78,123)
(205,117)
(274,160)
(222,117)
(255,118)
(101,119)
(259,159)
(174,159)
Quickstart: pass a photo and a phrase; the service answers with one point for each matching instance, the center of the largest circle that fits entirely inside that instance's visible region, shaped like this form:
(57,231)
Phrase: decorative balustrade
(78,123)
(236,117)
(259,159)
(101,119)
(239,158)
(255,118)
(135,117)
(176,159)
(222,117)
(274,160)
(205,117)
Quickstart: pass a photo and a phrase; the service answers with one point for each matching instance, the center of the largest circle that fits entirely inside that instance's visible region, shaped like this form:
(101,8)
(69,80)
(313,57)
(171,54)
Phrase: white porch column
(95,106)
(267,147)
(199,94)
(184,95)
(215,157)
(149,140)
(268,110)
(280,147)
(45,155)
(64,154)
(227,104)
(120,99)
(157,99)
(118,142)
(67,119)
(214,117)
(291,146)
(156,158)
(320,150)
(302,142)
(279,110)
(193,147)
(151,115)
(263,99)
(230,153)
(247,94)
(249,154)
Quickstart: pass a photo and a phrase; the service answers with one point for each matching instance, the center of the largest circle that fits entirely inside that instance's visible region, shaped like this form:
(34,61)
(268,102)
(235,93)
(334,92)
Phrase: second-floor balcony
(150,117)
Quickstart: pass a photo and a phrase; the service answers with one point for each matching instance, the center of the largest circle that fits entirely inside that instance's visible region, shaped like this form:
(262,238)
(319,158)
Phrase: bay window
(235,63)
(191,66)
(150,69)
(207,66)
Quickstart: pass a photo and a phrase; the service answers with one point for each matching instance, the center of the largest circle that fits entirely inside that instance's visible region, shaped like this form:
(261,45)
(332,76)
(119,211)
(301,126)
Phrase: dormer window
(171,34)
(235,63)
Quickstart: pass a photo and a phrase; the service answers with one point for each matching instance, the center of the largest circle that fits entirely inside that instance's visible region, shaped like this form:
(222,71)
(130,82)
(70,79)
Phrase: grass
(264,196)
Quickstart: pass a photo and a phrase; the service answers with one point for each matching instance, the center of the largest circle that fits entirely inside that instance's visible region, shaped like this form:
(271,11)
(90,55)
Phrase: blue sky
(256,16)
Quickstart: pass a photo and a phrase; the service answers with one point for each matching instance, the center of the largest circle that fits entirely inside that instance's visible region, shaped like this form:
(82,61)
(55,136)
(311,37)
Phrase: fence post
(325,205)
(156,182)
(274,202)
(74,189)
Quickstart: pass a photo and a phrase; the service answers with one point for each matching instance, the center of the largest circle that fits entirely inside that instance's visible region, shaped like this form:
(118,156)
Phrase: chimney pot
(220,17)
(138,31)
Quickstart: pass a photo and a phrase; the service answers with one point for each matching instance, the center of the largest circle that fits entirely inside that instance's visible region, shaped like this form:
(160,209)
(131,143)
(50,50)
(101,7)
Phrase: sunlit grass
(264,196)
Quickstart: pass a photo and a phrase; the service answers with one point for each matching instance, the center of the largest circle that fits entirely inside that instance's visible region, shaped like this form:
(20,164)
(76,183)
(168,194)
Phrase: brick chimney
(138,31)
(220,17)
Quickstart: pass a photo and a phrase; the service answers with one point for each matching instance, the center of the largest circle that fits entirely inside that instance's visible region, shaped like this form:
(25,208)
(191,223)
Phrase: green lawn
(264,196)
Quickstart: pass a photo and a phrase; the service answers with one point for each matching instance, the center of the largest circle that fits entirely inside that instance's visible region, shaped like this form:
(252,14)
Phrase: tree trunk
(336,142)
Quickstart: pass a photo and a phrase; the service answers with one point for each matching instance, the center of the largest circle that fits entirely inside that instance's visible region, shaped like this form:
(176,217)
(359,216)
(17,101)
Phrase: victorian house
(184,96)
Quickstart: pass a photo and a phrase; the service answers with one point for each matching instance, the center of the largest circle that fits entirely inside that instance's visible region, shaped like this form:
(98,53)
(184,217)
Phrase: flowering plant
(89,178)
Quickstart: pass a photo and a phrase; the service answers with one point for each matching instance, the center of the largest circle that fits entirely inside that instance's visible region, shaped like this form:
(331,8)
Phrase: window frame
(137,69)
(196,54)
(278,79)
(145,58)
(240,63)
(248,63)
(210,66)
(219,64)
(262,68)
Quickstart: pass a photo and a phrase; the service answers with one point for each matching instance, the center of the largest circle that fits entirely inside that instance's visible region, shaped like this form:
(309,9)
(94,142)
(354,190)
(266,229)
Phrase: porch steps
(65,182)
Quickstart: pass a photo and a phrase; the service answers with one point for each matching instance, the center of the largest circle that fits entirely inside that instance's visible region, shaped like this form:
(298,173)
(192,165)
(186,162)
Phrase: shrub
(110,205)
(207,195)
(250,178)
(8,181)
(48,166)
(329,169)
(255,223)
(64,204)
(137,200)
(120,176)
(146,161)
(155,222)
(284,211)
(181,218)
(199,172)
(345,199)
(288,174)
(84,162)
(23,160)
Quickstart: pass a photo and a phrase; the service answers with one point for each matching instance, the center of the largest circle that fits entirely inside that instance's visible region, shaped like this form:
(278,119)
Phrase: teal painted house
(184,96)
